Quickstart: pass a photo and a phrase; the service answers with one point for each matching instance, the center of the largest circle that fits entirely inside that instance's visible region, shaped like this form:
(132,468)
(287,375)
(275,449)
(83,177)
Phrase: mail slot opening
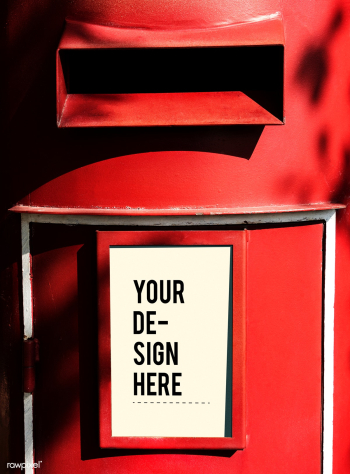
(172,86)
(128,71)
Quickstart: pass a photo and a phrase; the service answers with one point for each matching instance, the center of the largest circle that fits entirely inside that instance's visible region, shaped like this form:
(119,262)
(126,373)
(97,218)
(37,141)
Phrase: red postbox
(175,188)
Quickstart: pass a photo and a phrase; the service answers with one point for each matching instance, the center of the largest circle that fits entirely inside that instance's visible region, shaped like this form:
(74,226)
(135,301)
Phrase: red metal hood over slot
(109,76)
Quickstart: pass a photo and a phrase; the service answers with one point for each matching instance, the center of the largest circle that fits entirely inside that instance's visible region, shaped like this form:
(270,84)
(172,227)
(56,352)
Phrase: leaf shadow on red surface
(313,71)
(312,78)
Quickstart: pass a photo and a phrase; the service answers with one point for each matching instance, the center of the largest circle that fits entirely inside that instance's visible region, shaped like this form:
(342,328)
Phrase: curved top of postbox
(263,30)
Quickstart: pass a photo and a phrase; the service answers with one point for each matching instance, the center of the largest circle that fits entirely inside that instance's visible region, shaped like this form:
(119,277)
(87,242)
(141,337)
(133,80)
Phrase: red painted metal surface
(238,241)
(30,357)
(231,167)
(174,15)
(265,31)
(283,380)
(149,110)
(306,161)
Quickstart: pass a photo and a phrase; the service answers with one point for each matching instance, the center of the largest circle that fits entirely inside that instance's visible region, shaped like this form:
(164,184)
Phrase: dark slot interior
(255,70)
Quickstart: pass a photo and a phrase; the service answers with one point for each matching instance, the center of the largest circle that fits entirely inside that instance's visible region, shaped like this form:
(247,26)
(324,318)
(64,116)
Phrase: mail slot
(116,77)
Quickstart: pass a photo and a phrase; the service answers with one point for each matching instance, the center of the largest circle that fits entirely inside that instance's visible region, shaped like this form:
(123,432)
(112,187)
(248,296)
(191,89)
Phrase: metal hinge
(30,357)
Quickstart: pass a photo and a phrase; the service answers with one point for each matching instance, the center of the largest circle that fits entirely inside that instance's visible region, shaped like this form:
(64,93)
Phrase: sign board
(171,329)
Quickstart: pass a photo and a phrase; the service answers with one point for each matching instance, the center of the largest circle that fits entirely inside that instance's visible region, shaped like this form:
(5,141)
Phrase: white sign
(169,336)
